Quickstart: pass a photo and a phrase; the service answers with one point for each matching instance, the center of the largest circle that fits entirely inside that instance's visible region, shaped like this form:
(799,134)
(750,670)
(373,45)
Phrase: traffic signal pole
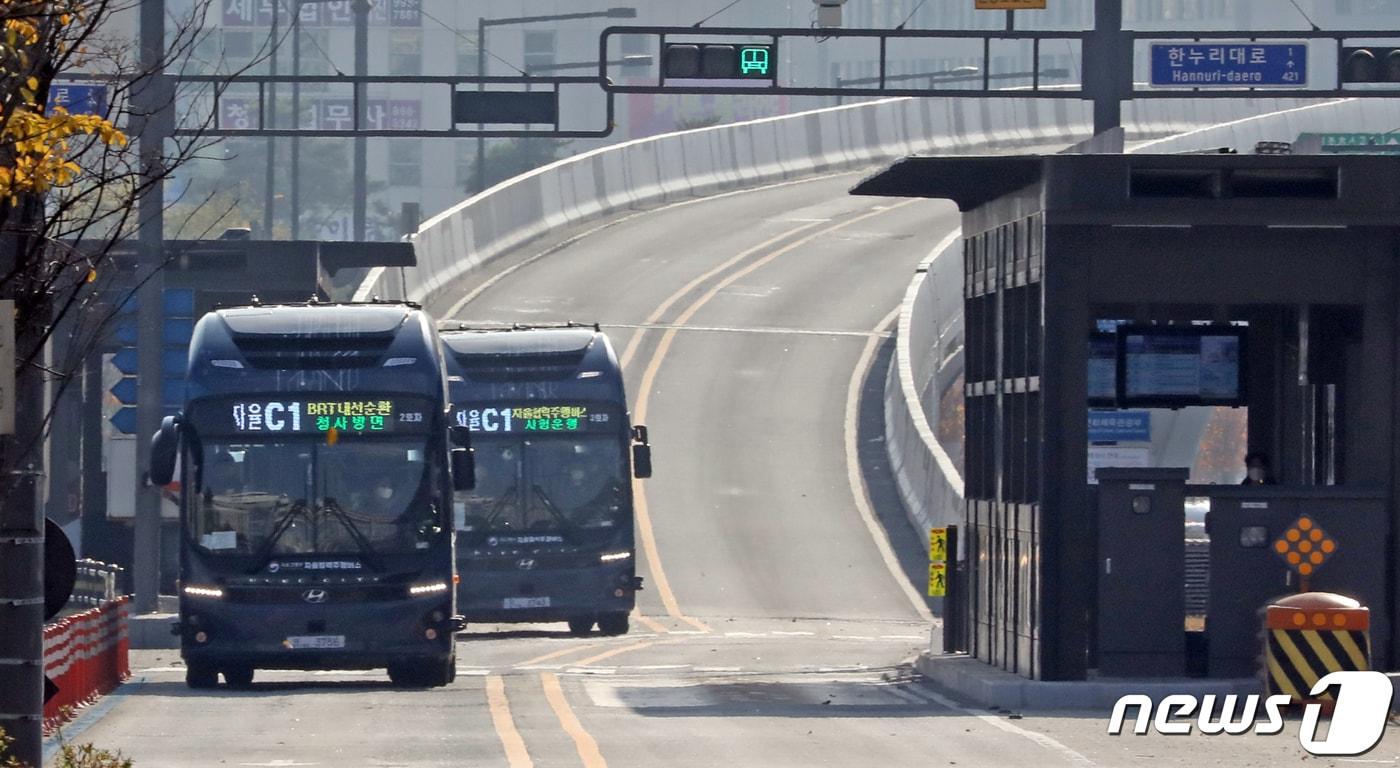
(153,108)
(1107,71)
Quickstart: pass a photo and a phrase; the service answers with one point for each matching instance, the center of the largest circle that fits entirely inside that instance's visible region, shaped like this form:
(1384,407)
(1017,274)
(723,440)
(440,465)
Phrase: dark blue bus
(547,533)
(316,471)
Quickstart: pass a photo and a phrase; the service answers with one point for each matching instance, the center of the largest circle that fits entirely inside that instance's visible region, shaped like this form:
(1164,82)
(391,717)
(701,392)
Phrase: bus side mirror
(165,447)
(463,469)
(461,436)
(641,452)
(641,461)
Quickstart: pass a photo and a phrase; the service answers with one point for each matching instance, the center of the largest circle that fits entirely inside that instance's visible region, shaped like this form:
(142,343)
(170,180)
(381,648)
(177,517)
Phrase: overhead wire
(470,41)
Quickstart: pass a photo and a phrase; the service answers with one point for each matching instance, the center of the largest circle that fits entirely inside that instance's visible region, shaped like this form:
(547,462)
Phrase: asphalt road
(782,605)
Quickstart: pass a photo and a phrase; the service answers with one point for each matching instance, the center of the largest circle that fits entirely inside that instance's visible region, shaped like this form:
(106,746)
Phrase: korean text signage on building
(533,418)
(320,416)
(1361,143)
(240,113)
(1120,426)
(79,98)
(1229,65)
(337,13)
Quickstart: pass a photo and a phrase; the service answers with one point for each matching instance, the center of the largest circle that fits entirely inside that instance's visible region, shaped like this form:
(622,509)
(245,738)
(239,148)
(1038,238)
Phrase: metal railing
(97,584)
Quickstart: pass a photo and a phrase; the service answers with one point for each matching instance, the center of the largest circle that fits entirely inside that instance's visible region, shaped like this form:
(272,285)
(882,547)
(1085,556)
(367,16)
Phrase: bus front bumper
(516,596)
(343,636)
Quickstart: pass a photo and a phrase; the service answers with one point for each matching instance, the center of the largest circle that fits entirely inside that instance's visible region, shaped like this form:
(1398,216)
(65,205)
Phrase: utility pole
(269,183)
(479,173)
(295,196)
(1108,65)
(361,8)
(153,106)
(22,559)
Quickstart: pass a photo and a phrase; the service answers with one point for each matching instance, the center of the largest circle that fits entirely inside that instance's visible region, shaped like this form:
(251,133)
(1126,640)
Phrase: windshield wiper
(499,506)
(366,549)
(283,523)
(566,527)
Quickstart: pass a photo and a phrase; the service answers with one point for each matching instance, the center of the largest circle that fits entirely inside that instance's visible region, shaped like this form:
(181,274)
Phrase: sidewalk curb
(984,685)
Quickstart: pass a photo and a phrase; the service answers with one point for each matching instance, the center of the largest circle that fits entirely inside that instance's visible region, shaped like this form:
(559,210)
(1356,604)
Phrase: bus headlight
(212,593)
(613,557)
(418,590)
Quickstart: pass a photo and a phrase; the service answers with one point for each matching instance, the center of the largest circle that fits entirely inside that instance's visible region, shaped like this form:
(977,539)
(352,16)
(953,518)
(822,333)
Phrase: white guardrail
(928,353)
(660,169)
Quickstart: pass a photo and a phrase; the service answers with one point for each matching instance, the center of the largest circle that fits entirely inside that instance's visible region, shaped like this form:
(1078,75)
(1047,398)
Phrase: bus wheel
(406,675)
(613,623)
(580,627)
(201,676)
(238,677)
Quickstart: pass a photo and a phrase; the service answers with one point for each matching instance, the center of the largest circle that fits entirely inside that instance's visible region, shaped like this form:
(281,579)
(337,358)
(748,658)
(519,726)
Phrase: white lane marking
(149,670)
(919,638)
(759,329)
(718,670)
(474,671)
(496,278)
(344,672)
(859,491)
(997,722)
(781,633)
(746,634)
(688,632)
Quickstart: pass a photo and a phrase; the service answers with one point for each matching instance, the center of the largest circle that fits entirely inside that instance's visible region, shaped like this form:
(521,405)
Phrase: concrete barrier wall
(1345,116)
(679,165)
(928,350)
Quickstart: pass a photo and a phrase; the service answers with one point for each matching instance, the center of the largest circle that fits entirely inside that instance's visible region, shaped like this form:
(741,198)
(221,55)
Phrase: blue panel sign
(124,420)
(1229,65)
(1120,427)
(78,98)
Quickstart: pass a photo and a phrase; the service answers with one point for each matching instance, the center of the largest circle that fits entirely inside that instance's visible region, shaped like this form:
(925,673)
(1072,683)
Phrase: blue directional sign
(125,360)
(124,420)
(79,98)
(125,390)
(1229,65)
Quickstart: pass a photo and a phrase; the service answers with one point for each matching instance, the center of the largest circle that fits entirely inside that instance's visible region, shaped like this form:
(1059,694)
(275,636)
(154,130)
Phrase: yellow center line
(649,623)
(690,286)
(560,652)
(587,747)
(639,501)
(613,652)
(516,754)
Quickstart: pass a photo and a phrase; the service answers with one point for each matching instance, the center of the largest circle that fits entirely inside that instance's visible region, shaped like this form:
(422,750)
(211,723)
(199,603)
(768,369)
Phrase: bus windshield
(291,496)
(552,484)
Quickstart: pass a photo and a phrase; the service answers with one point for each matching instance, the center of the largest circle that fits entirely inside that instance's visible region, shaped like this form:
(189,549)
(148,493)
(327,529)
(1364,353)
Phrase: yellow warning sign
(1010,5)
(1305,546)
(937,544)
(937,579)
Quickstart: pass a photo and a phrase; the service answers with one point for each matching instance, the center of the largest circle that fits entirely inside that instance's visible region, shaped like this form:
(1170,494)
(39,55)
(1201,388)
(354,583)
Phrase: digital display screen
(1103,369)
(290,416)
(530,419)
(1181,366)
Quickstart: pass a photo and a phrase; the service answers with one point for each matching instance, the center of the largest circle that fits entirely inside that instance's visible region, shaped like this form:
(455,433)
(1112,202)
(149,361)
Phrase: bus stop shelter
(1106,286)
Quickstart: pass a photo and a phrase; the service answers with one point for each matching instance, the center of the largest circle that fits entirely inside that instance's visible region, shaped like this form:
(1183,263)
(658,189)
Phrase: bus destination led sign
(533,418)
(352,416)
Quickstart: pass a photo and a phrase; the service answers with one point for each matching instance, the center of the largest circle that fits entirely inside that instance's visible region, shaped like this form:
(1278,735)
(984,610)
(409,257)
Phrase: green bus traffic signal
(754,61)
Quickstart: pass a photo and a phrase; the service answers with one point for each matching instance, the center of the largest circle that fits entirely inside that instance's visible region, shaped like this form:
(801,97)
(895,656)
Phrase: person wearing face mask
(1257,469)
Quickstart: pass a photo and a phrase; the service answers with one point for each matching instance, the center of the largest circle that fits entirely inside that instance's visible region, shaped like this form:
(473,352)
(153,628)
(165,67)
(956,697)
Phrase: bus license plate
(316,642)
(526,602)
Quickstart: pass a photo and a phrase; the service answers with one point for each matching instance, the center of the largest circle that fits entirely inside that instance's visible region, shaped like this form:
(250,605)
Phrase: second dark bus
(547,533)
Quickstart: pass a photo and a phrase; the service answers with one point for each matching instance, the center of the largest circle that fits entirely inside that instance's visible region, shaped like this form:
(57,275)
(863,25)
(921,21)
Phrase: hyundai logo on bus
(1358,717)
(316,596)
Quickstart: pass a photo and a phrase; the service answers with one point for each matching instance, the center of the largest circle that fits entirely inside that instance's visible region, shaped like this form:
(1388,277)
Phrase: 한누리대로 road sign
(1185,64)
